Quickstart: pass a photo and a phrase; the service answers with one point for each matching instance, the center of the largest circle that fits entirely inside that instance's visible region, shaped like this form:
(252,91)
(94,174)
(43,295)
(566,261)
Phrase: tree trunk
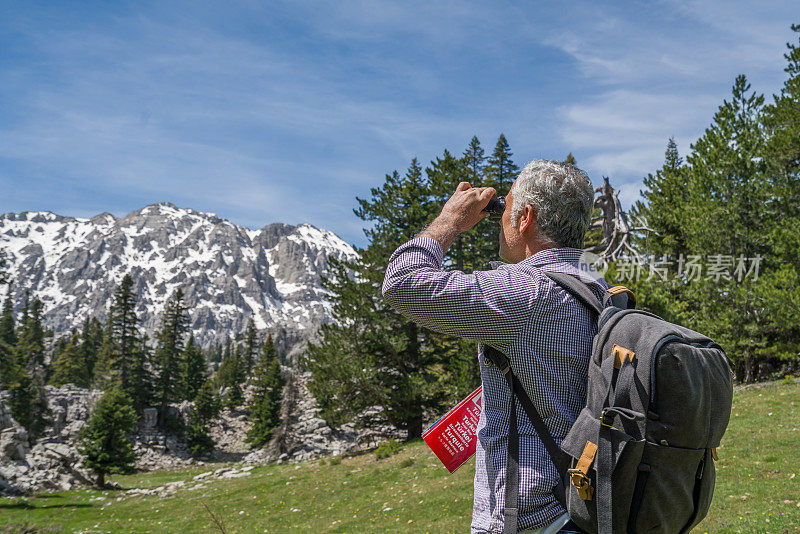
(101,479)
(414,429)
(749,369)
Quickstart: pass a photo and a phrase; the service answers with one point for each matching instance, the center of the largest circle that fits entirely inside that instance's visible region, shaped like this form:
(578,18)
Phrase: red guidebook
(452,438)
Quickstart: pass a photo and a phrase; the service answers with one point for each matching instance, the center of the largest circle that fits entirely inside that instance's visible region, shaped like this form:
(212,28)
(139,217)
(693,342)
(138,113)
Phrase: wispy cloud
(288,111)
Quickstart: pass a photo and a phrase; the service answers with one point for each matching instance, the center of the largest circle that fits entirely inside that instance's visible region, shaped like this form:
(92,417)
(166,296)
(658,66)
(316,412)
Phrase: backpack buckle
(607,418)
(581,483)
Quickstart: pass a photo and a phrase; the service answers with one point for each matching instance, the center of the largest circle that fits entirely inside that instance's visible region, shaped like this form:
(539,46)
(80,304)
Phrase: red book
(452,438)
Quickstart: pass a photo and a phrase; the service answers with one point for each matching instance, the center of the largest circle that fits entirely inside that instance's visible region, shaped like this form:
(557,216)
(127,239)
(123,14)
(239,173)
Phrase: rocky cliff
(229,273)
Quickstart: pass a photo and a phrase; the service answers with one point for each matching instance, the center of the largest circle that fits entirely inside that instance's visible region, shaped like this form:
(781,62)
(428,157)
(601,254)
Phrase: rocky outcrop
(229,274)
(304,435)
(53,463)
(47,466)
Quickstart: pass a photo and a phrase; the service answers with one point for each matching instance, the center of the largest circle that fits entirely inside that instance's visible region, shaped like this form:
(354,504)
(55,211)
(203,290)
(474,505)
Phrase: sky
(267,111)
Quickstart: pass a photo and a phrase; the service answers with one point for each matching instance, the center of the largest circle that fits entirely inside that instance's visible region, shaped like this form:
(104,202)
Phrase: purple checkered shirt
(547,336)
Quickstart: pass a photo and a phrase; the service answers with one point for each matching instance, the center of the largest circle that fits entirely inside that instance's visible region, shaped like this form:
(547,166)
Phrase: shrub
(198,441)
(387,449)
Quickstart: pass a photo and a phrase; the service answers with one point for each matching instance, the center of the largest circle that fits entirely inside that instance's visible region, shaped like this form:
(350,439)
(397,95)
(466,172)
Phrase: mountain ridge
(229,273)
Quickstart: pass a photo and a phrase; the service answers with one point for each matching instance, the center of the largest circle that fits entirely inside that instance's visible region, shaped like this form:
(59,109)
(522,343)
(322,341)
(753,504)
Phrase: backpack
(640,456)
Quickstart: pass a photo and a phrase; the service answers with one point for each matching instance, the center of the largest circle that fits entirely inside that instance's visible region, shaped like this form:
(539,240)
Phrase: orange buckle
(581,483)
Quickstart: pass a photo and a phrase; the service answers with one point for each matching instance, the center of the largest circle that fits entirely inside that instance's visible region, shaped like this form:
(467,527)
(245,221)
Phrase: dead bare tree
(617,230)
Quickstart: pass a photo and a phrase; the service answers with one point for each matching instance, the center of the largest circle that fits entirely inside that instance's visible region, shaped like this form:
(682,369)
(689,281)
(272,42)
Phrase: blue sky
(286,111)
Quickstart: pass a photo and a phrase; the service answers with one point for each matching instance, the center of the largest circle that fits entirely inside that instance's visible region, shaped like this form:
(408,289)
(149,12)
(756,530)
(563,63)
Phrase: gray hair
(562,196)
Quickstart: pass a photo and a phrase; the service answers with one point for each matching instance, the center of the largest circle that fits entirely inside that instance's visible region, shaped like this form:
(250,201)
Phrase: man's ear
(527,219)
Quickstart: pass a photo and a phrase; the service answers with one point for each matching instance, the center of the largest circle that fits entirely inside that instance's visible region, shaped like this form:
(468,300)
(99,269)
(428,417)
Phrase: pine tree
(250,348)
(387,363)
(123,357)
(91,342)
(168,359)
(30,343)
(727,184)
(501,170)
(105,445)
(8,340)
(27,400)
(39,408)
(69,366)
(666,197)
(474,159)
(8,334)
(718,212)
(198,439)
(780,286)
(265,409)
(231,376)
(782,118)
(3,273)
(206,407)
(207,404)
(195,372)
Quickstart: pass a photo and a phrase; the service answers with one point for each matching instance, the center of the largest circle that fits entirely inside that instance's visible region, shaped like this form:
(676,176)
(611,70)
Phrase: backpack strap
(557,456)
(621,297)
(577,289)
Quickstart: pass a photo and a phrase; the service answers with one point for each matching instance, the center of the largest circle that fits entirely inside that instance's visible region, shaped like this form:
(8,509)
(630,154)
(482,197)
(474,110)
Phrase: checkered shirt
(547,336)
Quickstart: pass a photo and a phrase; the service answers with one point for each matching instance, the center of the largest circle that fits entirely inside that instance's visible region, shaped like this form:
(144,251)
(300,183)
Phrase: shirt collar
(545,257)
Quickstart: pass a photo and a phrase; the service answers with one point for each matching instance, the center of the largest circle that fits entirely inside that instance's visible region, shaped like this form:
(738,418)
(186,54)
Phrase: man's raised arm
(477,306)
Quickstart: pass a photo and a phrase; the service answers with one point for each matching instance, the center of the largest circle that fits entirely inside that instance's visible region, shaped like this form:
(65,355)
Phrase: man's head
(549,205)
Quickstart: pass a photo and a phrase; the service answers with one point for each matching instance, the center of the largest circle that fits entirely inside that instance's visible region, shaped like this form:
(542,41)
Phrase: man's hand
(460,213)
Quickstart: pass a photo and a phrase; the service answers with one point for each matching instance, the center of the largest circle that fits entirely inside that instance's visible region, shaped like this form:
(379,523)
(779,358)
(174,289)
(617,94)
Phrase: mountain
(228,273)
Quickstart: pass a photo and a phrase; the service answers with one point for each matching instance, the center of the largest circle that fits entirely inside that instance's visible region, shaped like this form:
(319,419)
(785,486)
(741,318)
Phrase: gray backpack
(639,458)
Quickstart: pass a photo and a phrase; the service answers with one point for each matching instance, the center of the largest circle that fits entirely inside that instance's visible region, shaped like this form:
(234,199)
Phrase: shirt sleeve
(488,306)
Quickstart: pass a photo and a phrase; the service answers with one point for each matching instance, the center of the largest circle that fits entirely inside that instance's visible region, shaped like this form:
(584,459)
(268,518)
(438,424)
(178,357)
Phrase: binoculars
(496,207)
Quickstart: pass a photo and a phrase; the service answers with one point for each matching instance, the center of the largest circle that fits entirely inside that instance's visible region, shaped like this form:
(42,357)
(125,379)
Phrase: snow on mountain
(228,273)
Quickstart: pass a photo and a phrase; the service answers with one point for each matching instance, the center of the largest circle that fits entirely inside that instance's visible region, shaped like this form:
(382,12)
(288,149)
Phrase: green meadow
(758,489)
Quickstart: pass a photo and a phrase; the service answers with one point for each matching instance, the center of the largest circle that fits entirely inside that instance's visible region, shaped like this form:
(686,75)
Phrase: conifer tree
(168,360)
(250,347)
(124,354)
(207,404)
(781,284)
(30,343)
(728,182)
(206,407)
(474,159)
(195,372)
(8,340)
(570,159)
(501,170)
(664,207)
(265,409)
(25,373)
(718,214)
(387,362)
(40,413)
(8,334)
(231,376)
(27,400)
(105,446)
(91,342)
(69,366)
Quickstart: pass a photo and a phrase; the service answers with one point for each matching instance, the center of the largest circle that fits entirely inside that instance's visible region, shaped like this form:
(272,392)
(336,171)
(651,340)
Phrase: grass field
(758,489)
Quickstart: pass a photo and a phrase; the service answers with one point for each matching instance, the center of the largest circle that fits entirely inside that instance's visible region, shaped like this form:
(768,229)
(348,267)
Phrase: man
(518,310)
